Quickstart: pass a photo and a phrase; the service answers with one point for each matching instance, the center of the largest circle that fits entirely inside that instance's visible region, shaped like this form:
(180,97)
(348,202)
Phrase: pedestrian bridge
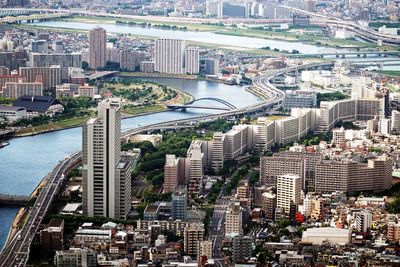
(183,107)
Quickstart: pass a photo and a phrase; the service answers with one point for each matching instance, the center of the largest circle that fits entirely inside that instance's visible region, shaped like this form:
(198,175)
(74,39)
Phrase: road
(16,252)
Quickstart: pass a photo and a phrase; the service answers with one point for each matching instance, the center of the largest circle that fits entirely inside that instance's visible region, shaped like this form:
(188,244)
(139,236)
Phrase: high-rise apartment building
(206,249)
(17,89)
(106,178)
(179,203)
(234,220)
(272,167)
(194,167)
(192,236)
(395,121)
(363,221)
(171,173)
(288,189)
(130,60)
(97,48)
(241,248)
(211,66)
(192,60)
(217,156)
(393,231)
(169,56)
(65,61)
(49,76)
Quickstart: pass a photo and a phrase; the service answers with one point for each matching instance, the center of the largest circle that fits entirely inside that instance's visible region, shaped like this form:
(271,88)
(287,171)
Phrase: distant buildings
(172,57)
(97,48)
(106,178)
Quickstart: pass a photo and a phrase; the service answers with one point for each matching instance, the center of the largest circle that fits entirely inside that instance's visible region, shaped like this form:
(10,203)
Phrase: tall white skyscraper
(288,188)
(106,178)
(169,56)
(192,60)
(97,48)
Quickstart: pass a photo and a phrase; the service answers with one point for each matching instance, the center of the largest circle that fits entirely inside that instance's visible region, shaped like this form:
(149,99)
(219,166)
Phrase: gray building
(179,203)
(211,66)
(299,99)
(65,61)
(241,248)
(39,46)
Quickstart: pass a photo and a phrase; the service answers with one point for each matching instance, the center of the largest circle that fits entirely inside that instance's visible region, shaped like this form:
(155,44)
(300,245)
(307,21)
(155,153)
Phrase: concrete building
(52,237)
(192,60)
(194,167)
(395,122)
(193,234)
(237,141)
(39,105)
(11,113)
(206,249)
(384,126)
(65,61)
(106,178)
(319,235)
(130,60)
(75,257)
(97,48)
(288,190)
(87,91)
(349,176)
(211,66)
(234,220)
(147,66)
(169,56)
(268,204)
(393,231)
(49,76)
(272,167)
(171,173)
(339,136)
(217,160)
(39,46)
(241,248)
(179,203)
(17,89)
(363,221)
(299,99)
(265,134)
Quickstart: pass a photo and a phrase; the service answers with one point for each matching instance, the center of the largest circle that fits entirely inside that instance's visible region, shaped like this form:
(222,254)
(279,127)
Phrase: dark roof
(11,108)
(36,103)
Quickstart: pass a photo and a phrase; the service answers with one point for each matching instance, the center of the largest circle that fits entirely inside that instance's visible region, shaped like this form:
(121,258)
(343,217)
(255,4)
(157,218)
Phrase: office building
(234,220)
(169,56)
(49,76)
(192,236)
(363,221)
(179,203)
(268,204)
(17,89)
(192,60)
(106,178)
(97,48)
(241,248)
(211,66)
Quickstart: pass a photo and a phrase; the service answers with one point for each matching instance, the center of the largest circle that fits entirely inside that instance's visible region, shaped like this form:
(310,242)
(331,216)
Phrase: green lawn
(144,109)
(390,73)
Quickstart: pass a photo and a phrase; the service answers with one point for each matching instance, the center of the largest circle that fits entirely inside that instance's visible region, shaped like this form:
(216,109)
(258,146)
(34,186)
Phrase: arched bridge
(183,107)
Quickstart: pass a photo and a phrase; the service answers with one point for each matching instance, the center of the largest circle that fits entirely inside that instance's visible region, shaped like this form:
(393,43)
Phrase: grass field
(74,122)
(144,109)
(390,73)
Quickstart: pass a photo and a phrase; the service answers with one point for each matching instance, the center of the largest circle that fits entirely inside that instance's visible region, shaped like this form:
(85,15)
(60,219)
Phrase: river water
(202,37)
(27,160)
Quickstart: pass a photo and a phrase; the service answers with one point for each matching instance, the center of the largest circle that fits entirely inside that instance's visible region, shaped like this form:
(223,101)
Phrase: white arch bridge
(183,107)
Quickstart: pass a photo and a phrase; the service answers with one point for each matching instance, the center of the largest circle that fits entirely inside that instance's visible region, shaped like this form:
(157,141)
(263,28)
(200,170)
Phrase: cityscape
(200,133)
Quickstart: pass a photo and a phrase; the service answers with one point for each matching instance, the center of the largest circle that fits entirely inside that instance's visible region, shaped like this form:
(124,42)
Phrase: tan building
(10,78)
(268,204)
(234,220)
(97,48)
(193,234)
(87,91)
(49,76)
(171,173)
(393,231)
(130,60)
(350,176)
(17,89)
(194,167)
(272,167)
(205,249)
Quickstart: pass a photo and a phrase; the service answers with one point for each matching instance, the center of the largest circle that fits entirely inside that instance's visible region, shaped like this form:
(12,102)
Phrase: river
(201,37)
(27,160)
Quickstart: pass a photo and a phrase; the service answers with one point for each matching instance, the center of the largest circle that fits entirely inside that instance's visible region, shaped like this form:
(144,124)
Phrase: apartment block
(288,190)
(191,239)
(17,89)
